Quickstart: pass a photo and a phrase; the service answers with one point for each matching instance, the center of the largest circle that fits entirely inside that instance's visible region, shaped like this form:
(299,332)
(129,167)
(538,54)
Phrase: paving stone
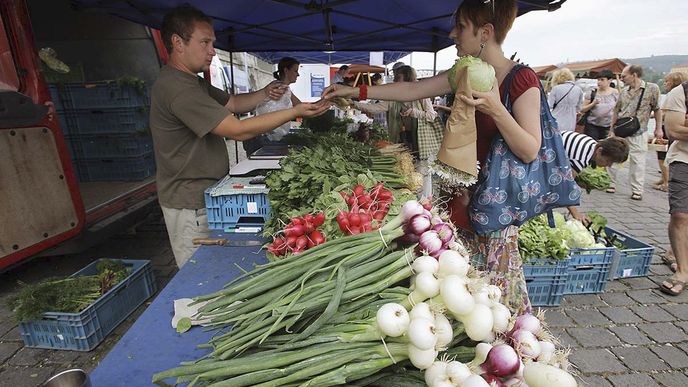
(593,381)
(615,286)
(7,350)
(13,335)
(630,335)
(586,317)
(673,356)
(26,376)
(671,379)
(557,318)
(564,338)
(617,299)
(682,324)
(596,361)
(652,313)
(626,380)
(594,337)
(62,357)
(620,315)
(28,357)
(645,296)
(639,358)
(680,311)
(661,269)
(663,332)
(582,300)
(639,283)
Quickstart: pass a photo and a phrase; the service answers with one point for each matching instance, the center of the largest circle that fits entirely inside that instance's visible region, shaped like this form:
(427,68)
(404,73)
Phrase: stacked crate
(106,126)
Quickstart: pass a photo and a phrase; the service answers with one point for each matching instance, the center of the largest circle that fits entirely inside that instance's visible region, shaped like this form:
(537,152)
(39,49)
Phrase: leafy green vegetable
(593,178)
(536,239)
(183,325)
(480,74)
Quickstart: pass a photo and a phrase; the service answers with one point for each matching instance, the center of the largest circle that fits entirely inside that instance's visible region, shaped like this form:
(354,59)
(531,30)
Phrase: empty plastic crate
(105,121)
(116,168)
(546,280)
(114,145)
(632,261)
(588,270)
(234,202)
(97,95)
(85,330)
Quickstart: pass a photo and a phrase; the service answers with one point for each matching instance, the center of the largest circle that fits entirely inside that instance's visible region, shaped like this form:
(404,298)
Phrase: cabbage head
(480,73)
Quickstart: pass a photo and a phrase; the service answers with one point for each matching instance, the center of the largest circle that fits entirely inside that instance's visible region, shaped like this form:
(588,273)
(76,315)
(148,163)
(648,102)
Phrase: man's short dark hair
(614,148)
(605,74)
(343,68)
(180,21)
(636,69)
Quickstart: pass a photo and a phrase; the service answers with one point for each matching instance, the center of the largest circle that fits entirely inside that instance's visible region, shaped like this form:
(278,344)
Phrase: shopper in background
(636,90)
(565,99)
(340,74)
(189,119)
(676,107)
(671,80)
(600,106)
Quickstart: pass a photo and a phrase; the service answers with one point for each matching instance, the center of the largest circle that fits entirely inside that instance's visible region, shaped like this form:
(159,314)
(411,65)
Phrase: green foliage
(536,239)
(593,178)
(66,295)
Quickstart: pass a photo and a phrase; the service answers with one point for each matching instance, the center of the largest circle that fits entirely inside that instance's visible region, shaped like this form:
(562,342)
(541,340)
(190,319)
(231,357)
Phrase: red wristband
(362,92)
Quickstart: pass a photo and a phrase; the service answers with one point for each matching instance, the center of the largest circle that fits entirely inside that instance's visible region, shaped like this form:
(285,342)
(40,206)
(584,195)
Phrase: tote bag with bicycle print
(509,191)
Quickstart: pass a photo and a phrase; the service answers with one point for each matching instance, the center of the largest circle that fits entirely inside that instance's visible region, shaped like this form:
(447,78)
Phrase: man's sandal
(636,196)
(610,190)
(670,260)
(672,286)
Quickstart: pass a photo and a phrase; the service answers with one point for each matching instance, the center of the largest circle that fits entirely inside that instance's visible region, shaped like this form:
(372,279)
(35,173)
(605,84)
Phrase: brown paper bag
(458,149)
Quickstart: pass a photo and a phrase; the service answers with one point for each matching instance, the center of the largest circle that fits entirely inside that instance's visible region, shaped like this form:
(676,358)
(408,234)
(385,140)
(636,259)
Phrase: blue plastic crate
(84,331)
(230,211)
(105,121)
(97,95)
(634,260)
(546,280)
(116,169)
(588,270)
(126,145)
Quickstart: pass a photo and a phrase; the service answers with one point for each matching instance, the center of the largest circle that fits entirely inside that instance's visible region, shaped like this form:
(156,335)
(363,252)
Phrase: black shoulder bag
(628,126)
(562,98)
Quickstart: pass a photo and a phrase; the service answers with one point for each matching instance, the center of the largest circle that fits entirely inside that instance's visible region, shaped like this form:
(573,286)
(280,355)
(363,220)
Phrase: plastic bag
(270,105)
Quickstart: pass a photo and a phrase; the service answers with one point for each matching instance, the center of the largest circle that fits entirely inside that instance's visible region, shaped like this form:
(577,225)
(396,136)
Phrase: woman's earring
(482,45)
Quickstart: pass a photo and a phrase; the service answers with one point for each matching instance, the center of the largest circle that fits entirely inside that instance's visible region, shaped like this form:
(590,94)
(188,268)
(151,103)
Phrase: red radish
(294,230)
(308,227)
(301,242)
(278,242)
(355,230)
(317,237)
(308,218)
(354,219)
(296,221)
(310,243)
(319,219)
(379,215)
(359,190)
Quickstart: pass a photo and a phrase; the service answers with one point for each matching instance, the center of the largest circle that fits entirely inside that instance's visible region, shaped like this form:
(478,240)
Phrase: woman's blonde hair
(562,75)
(676,78)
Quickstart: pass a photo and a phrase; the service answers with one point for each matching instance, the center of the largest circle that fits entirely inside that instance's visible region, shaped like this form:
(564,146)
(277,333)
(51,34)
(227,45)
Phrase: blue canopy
(328,57)
(288,26)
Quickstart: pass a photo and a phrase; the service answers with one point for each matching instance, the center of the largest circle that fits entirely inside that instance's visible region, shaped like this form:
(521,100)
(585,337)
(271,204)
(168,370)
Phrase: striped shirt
(579,148)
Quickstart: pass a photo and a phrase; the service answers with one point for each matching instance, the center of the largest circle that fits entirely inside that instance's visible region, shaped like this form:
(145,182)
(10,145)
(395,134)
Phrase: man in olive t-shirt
(189,118)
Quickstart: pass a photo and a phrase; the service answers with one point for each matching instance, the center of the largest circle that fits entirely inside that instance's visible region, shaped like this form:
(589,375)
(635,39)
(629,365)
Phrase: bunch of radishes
(299,235)
(367,210)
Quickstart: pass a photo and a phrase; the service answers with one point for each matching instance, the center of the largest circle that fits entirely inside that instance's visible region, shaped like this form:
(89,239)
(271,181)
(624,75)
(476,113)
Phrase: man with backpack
(676,125)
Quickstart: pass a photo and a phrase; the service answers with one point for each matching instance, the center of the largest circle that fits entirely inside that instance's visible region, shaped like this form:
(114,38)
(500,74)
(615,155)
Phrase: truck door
(40,204)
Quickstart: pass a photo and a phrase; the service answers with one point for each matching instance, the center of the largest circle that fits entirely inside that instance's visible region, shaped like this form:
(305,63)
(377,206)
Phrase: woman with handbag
(597,113)
(480,30)
(565,99)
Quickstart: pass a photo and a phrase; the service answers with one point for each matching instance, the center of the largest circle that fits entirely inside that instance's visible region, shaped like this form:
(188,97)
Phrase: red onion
(526,343)
(430,242)
(528,322)
(419,224)
(502,361)
(445,232)
(410,209)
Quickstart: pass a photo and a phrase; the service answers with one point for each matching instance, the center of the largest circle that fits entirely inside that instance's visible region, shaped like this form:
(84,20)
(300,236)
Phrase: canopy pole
(434,64)
(233,92)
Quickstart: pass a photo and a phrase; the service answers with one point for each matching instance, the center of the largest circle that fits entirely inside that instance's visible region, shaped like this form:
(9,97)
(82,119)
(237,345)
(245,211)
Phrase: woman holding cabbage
(480,29)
